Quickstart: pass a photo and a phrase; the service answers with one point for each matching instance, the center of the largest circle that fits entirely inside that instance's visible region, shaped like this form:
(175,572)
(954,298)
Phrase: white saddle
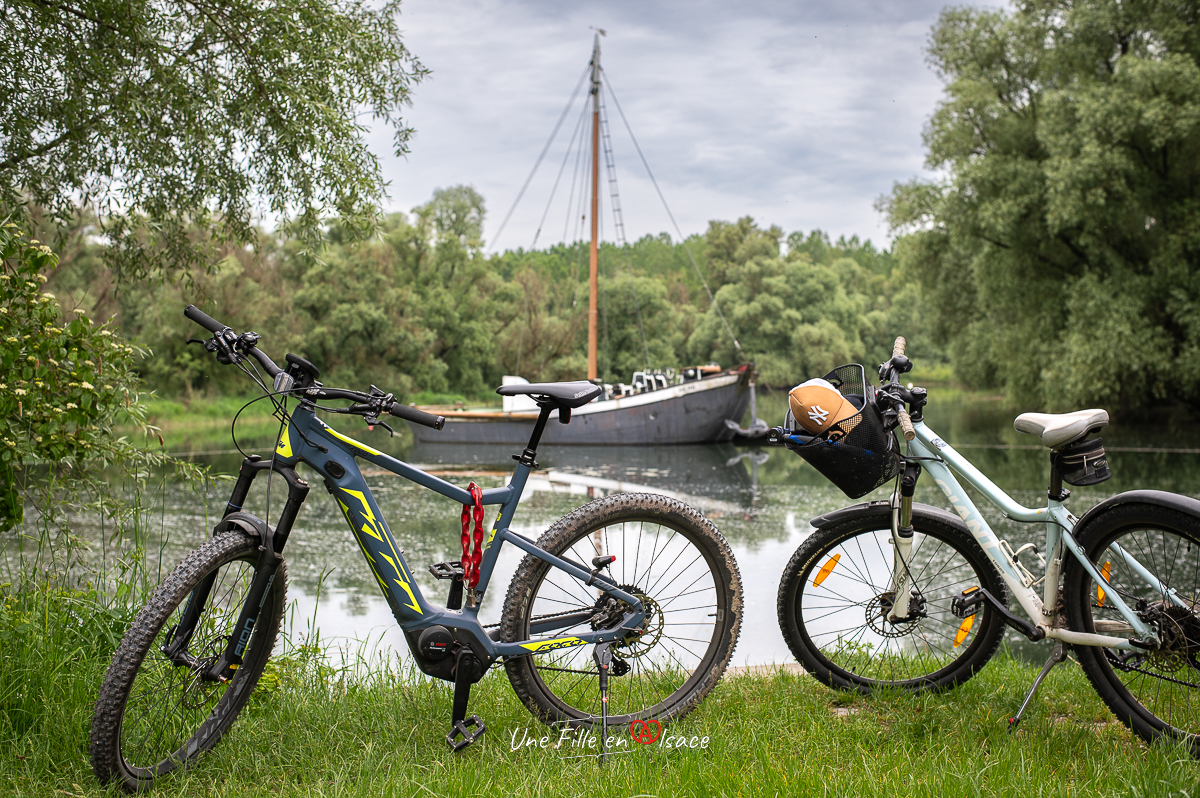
(1059,429)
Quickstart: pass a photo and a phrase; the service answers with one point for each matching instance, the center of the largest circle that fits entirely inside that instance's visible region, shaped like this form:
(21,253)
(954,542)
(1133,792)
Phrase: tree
(177,120)
(1062,250)
(800,315)
(66,386)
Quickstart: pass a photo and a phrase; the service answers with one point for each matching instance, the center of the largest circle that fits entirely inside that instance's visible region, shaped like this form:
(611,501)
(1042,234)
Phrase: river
(760,498)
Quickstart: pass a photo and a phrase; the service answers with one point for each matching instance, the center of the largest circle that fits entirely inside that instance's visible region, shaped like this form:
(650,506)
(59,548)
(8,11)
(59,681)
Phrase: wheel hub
(879,608)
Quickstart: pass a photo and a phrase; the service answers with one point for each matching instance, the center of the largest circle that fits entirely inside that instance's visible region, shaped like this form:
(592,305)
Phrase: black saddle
(563,395)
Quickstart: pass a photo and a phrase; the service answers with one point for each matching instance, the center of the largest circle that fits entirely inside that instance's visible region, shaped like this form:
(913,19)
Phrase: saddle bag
(1082,463)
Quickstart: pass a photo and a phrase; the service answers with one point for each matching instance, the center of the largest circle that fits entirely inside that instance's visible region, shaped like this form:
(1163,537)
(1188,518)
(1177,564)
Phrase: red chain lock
(472,559)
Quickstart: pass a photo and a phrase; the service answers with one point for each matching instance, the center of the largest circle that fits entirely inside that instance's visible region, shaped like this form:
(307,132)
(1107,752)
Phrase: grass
(316,729)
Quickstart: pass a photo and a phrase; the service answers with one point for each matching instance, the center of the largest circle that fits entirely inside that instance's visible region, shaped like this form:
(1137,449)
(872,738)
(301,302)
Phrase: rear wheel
(153,715)
(834,605)
(1150,556)
(677,563)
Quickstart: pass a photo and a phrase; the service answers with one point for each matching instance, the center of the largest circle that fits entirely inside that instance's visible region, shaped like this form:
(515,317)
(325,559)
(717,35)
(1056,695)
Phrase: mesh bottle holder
(856,453)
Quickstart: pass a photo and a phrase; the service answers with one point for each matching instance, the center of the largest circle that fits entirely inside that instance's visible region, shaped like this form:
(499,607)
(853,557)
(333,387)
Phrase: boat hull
(693,412)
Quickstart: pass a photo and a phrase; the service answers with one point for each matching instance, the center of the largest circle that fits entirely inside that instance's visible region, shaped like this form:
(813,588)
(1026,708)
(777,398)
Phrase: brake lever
(373,422)
(219,346)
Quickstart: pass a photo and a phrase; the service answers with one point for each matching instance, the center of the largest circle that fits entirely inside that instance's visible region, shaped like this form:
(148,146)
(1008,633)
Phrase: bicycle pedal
(463,727)
(447,570)
(966,603)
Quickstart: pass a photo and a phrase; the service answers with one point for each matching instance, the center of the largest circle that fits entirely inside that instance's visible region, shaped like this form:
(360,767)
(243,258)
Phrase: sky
(799,114)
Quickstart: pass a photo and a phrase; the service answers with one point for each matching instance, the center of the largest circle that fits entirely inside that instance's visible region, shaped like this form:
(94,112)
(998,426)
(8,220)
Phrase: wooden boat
(693,411)
(703,404)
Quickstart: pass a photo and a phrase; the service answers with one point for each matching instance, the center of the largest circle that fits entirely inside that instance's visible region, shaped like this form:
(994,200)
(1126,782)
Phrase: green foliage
(1062,251)
(419,310)
(67,385)
(178,119)
(801,315)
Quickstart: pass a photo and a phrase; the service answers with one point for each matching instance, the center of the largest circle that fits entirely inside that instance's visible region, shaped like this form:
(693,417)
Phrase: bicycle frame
(942,462)
(306,439)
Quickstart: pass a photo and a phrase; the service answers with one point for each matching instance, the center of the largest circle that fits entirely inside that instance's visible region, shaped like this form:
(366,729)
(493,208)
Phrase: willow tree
(179,120)
(1061,250)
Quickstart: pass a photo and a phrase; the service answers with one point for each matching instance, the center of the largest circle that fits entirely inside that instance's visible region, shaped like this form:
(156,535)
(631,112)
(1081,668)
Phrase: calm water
(761,499)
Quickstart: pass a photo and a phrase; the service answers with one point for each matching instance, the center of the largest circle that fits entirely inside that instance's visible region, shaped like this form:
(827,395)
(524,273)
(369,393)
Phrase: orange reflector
(826,570)
(964,629)
(1104,572)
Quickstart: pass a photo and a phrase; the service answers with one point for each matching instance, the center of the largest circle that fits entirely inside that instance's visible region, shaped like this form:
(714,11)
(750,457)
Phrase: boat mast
(594,259)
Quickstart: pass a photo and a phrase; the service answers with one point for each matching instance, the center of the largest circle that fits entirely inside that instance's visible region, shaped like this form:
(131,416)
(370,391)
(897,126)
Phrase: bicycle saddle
(559,394)
(1059,429)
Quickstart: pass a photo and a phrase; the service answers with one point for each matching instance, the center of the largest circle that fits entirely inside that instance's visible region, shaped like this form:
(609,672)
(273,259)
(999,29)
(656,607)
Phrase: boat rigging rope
(610,164)
(711,299)
(538,162)
(575,178)
(558,179)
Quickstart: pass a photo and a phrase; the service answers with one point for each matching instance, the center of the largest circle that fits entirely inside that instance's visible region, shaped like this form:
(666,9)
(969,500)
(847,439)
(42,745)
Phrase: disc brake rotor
(878,609)
(638,642)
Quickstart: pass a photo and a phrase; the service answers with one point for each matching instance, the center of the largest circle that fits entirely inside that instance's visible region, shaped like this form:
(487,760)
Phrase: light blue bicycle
(902,594)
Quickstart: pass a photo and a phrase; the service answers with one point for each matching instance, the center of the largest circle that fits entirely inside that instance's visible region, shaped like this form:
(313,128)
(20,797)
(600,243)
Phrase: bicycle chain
(1124,666)
(538,618)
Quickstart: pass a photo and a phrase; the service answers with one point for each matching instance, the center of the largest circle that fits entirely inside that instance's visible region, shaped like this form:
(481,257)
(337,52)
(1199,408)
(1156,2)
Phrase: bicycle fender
(1159,498)
(884,510)
(244,521)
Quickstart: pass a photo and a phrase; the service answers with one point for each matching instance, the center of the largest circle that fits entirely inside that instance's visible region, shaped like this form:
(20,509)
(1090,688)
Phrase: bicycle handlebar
(893,394)
(229,343)
(416,416)
(204,320)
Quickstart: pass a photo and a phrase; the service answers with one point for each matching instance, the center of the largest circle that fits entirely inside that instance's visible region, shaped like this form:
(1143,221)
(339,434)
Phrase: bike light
(826,570)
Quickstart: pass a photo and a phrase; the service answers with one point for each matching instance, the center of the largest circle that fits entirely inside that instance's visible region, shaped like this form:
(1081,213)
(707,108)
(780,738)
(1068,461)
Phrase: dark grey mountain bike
(628,608)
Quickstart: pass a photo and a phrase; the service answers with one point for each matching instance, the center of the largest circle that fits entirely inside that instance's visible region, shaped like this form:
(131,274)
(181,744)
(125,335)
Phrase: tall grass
(344,722)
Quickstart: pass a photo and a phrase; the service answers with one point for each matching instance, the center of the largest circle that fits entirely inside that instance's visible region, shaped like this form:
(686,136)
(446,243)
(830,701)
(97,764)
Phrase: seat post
(526,458)
(1056,492)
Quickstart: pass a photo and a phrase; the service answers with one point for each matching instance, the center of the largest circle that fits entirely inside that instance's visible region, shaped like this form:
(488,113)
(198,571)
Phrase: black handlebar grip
(417,416)
(203,319)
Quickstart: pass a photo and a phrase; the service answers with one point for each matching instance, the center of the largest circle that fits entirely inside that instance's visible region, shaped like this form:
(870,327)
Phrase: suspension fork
(269,558)
(176,649)
(902,541)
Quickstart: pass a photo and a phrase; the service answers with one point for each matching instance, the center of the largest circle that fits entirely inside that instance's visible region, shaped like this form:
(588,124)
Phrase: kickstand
(1056,656)
(604,658)
(459,722)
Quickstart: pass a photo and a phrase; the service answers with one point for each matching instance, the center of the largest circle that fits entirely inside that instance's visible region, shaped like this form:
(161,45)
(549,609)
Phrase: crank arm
(967,603)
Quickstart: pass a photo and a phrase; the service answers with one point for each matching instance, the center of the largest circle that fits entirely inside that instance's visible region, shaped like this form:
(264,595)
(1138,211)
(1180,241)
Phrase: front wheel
(835,602)
(1150,556)
(155,714)
(669,556)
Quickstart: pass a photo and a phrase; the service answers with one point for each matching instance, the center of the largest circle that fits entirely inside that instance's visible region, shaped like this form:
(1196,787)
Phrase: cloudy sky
(796,113)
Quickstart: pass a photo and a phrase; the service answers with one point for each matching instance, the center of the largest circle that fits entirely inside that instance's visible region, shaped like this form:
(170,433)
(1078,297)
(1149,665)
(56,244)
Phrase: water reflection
(760,499)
